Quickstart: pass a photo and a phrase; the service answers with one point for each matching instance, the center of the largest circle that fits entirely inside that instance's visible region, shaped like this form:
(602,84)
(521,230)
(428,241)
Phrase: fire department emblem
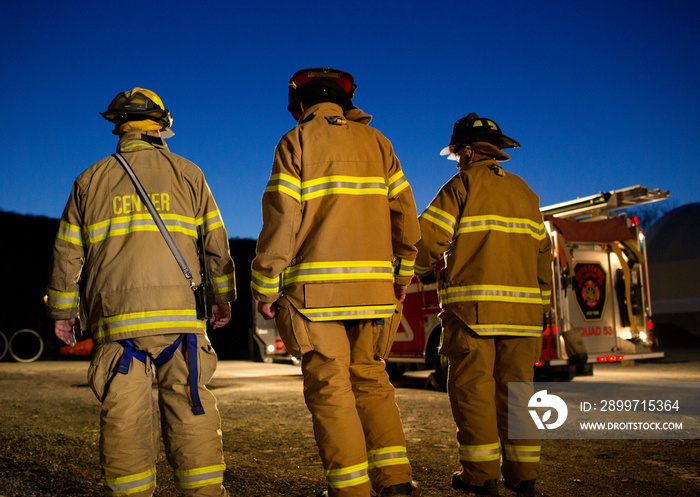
(589,285)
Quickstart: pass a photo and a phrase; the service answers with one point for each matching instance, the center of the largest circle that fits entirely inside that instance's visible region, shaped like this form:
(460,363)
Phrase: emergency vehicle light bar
(603,203)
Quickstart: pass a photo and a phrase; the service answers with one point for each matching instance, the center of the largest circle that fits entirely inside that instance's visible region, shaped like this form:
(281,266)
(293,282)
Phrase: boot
(490,487)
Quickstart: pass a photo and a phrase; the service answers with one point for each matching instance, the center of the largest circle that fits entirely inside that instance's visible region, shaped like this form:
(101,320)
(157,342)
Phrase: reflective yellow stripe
(358,312)
(123,225)
(546,297)
(62,300)
(490,293)
(70,233)
(136,143)
(406,267)
(387,456)
(476,453)
(440,218)
(506,329)
(127,485)
(286,184)
(339,270)
(199,477)
(123,323)
(211,221)
(517,225)
(347,185)
(347,477)
(263,284)
(522,453)
(397,183)
(224,284)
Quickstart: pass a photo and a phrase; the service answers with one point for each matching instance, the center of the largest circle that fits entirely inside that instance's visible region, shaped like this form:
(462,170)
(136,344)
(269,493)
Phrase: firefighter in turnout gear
(493,292)
(112,268)
(333,259)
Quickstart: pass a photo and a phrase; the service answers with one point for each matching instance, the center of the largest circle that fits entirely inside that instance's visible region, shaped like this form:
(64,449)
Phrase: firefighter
(333,259)
(113,275)
(493,291)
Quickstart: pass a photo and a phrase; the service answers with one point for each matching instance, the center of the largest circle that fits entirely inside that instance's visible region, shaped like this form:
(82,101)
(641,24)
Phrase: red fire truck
(601,309)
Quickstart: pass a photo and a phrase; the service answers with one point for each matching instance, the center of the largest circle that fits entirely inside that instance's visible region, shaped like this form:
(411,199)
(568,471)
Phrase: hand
(65,330)
(400,292)
(427,279)
(267,311)
(221,315)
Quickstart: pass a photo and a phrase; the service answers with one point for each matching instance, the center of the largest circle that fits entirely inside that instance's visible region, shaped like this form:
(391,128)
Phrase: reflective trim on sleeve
(62,300)
(440,218)
(346,185)
(70,233)
(470,224)
(546,297)
(522,453)
(186,479)
(421,270)
(397,183)
(406,267)
(339,270)
(490,293)
(224,284)
(477,453)
(211,221)
(347,477)
(113,326)
(387,456)
(124,225)
(131,484)
(263,284)
(340,313)
(284,183)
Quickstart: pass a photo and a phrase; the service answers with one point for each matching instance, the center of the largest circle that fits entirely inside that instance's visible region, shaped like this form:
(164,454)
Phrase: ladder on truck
(603,204)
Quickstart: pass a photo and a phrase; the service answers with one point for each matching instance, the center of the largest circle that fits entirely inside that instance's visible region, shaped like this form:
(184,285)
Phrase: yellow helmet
(138,104)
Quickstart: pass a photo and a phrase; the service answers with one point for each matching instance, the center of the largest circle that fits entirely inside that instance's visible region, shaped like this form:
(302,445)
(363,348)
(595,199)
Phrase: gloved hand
(428,278)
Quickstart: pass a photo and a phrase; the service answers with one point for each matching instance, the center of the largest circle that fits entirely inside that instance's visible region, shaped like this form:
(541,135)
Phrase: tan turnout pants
(477,385)
(356,421)
(129,437)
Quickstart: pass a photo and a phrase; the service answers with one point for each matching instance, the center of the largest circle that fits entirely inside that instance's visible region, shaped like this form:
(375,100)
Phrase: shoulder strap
(157,219)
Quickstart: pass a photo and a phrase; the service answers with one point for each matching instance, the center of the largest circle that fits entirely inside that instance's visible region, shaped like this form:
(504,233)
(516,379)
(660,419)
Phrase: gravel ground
(49,434)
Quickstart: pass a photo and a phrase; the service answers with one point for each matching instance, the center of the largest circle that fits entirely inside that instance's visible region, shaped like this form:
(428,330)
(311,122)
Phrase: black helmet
(138,104)
(333,84)
(473,128)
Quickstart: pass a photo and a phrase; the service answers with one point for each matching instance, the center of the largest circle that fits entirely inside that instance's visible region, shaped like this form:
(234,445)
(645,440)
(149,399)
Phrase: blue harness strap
(167,353)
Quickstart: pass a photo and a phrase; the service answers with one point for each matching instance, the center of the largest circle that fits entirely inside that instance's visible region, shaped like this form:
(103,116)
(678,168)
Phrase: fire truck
(601,308)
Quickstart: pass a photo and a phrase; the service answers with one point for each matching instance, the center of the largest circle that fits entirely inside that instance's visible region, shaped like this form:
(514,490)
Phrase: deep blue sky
(601,95)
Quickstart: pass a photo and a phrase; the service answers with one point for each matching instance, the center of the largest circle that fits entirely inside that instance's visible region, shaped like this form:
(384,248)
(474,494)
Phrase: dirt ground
(49,433)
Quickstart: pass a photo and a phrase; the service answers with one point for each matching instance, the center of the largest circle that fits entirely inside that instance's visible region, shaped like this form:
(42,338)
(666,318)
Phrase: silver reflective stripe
(127,485)
(122,323)
(440,218)
(341,270)
(199,477)
(492,293)
(70,233)
(347,477)
(522,453)
(506,329)
(388,456)
(337,313)
(397,183)
(499,223)
(475,453)
(139,222)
